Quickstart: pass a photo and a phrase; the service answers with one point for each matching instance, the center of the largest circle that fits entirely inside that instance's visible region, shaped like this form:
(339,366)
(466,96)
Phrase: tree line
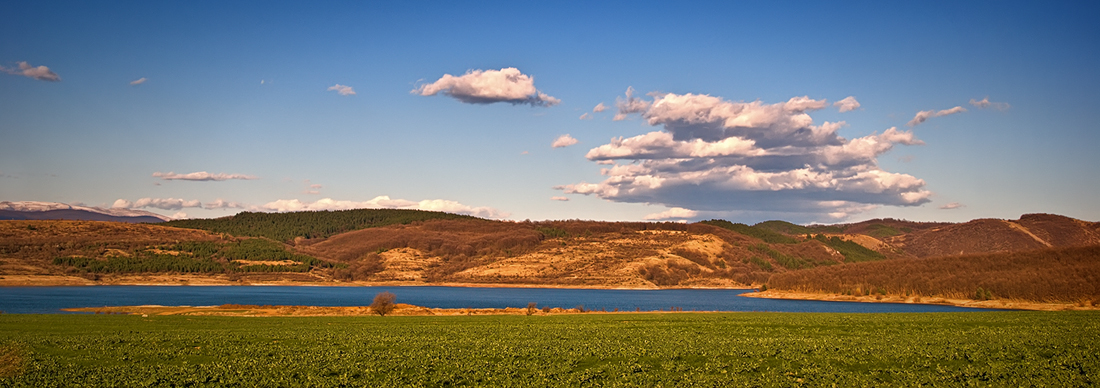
(286,227)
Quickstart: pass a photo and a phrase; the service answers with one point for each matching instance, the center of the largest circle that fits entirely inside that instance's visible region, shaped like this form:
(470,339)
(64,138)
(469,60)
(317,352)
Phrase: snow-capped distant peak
(33,206)
(37,206)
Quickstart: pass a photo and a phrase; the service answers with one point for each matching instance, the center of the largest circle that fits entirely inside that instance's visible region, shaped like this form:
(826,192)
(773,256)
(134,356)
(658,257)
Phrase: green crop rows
(735,349)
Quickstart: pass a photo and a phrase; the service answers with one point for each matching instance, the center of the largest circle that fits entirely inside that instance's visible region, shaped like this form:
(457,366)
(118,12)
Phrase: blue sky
(252,91)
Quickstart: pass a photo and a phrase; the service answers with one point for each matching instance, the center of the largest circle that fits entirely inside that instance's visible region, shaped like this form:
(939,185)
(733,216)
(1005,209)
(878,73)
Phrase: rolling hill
(372,246)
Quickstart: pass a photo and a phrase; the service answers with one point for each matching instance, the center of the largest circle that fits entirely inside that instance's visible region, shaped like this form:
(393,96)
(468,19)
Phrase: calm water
(49,300)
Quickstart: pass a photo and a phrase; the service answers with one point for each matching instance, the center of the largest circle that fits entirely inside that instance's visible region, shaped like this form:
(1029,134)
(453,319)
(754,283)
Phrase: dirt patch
(262,262)
(11,361)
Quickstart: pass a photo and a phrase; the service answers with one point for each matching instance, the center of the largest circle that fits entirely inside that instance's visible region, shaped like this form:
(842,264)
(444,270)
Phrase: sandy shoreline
(185,280)
(1006,304)
(339,311)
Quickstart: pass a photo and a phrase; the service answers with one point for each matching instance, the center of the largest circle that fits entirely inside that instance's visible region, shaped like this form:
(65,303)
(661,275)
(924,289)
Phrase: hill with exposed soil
(409,248)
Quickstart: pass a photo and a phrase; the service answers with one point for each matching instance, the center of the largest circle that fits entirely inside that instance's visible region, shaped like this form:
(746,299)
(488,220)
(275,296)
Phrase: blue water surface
(49,300)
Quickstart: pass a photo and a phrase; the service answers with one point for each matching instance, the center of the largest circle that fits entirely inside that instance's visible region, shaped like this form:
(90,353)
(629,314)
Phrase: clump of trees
(384,303)
(853,252)
(768,235)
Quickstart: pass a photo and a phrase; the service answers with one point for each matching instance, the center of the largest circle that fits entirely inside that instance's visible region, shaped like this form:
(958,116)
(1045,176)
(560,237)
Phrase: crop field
(685,349)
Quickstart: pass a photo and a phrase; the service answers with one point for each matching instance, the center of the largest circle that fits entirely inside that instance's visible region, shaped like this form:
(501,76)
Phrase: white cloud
(384,202)
(223,204)
(714,156)
(41,73)
(562,199)
(985,103)
(344,90)
(924,115)
(586,116)
(599,108)
(201,176)
(952,205)
(179,216)
(629,105)
(156,203)
(564,141)
(138,81)
(848,104)
(489,86)
(673,213)
(315,186)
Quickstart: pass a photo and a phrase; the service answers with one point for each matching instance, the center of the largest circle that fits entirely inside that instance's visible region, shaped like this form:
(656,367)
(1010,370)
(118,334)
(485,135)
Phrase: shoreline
(401,309)
(1005,304)
(177,281)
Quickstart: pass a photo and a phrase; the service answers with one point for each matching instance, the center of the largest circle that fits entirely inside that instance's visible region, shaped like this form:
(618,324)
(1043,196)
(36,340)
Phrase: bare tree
(384,303)
(531,308)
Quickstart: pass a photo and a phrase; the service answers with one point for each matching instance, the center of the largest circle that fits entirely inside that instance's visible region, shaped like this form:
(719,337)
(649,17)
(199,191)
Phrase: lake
(49,300)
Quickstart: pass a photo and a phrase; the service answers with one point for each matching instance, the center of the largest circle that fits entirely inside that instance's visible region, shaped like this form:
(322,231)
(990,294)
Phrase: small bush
(384,303)
(531,308)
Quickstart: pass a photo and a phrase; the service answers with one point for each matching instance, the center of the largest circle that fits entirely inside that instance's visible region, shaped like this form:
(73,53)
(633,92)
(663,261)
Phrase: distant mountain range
(35,210)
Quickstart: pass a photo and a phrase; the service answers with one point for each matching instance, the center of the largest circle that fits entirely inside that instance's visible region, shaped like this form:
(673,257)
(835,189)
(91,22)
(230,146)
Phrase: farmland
(740,349)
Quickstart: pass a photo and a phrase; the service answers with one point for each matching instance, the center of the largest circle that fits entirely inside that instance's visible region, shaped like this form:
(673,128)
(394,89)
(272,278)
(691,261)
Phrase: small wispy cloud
(673,213)
(586,116)
(952,205)
(599,108)
(201,176)
(562,199)
(344,90)
(985,103)
(138,81)
(41,73)
(156,203)
(847,105)
(564,141)
(489,86)
(924,115)
(223,204)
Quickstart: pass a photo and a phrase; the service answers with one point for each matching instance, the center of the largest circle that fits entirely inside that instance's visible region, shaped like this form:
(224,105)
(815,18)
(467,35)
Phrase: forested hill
(309,224)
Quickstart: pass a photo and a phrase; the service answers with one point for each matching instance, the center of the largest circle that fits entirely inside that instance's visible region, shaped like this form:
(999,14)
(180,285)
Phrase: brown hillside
(1031,232)
(1047,275)
(47,239)
(561,253)
(977,236)
(28,247)
(1061,231)
(29,250)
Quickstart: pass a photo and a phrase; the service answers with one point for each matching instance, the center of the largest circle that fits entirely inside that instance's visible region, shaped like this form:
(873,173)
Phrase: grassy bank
(768,349)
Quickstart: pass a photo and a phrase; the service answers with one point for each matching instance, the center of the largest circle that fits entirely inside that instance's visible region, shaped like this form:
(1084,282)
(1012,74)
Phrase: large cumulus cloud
(715,155)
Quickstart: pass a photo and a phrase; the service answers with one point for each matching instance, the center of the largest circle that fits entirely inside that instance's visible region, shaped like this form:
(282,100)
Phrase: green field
(728,349)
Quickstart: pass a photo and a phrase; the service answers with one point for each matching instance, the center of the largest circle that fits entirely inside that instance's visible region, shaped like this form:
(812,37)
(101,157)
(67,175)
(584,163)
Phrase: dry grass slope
(1048,275)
